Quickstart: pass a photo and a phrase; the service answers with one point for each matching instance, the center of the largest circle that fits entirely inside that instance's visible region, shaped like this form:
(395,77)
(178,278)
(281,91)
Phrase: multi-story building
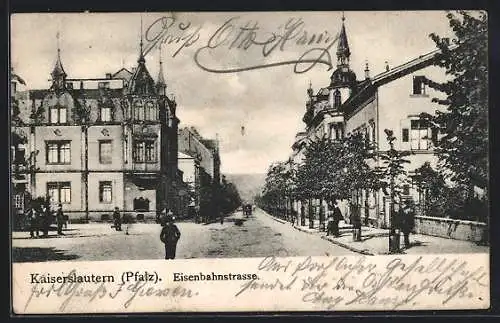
(200,157)
(19,160)
(103,143)
(391,100)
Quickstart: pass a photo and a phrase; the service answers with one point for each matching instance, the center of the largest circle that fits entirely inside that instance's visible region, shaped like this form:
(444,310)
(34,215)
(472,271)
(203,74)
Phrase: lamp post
(394,236)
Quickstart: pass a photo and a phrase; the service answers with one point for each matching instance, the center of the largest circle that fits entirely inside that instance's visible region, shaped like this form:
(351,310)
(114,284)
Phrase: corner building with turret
(100,143)
(392,99)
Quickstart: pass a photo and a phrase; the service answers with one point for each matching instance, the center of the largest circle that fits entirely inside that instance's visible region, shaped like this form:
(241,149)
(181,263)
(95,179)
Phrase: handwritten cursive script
(364,282)
(241,38)
(76,292)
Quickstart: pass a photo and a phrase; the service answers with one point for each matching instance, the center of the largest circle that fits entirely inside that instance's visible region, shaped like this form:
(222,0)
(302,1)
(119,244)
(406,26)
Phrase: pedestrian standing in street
(46,220)
(117,221)
(356,222)
(34,222)
(163,217)
(407,220)
(170,235)
(337,216)
(60,219)
(66,220)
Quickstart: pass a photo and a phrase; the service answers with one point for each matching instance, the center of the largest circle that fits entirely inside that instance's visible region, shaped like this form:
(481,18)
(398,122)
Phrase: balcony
(145,167)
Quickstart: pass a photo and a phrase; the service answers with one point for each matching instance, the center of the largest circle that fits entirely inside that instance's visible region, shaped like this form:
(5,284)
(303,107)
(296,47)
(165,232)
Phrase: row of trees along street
(338,170)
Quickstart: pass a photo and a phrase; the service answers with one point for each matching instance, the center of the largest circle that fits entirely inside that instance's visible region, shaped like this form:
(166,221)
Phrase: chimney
(134,69)
(386,66)
(108,76)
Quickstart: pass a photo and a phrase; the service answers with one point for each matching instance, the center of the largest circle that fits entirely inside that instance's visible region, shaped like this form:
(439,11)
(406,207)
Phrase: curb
(340,244)
(343,245)
(278,220)
(304,230)
(346,246)
(275,218)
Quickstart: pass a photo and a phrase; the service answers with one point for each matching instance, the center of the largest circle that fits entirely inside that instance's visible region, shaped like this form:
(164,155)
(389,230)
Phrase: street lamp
(393,233)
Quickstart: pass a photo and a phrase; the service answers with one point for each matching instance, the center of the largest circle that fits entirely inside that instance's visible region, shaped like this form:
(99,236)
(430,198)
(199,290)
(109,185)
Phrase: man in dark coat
(117,221)
(46,220)
(169,235)
(407,220)
(34,222)
(356,222)
(60,219)
(337,216)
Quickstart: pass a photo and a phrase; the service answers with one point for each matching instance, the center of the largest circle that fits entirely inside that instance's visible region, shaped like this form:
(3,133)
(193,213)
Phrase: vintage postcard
(249,161)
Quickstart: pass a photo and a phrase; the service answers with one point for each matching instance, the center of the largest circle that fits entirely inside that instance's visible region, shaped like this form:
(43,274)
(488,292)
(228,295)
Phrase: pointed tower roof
(141,82)
(343,52)
(161,78)
(343,76)
(58,68)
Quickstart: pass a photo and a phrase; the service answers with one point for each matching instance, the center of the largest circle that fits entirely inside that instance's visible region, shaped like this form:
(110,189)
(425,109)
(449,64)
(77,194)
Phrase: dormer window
(58,114)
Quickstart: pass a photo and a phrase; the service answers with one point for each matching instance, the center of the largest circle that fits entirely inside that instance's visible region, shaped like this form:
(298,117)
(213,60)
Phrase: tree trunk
(310,214)
(302,214)
(321,216)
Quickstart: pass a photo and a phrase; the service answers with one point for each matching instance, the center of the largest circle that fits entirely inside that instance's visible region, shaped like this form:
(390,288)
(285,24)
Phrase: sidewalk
(375,241)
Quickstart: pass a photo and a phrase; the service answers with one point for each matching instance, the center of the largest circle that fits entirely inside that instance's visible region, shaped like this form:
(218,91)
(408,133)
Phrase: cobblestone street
(257,236)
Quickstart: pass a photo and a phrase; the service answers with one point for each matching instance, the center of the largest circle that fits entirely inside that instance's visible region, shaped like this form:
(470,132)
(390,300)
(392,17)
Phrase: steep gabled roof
(368,88)
(141,82)
(123,74)
(405,69)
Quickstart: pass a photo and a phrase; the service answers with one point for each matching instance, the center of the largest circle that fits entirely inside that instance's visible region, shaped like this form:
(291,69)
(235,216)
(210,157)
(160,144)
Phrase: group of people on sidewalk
(41,218)
(404,221)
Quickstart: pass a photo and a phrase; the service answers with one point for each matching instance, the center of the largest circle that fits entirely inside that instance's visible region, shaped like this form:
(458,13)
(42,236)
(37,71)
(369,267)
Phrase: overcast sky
(269,103)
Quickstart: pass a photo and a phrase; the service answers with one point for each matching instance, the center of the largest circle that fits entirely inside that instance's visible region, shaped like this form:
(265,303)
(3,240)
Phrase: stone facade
(201,162)
(102,143)
(392,100)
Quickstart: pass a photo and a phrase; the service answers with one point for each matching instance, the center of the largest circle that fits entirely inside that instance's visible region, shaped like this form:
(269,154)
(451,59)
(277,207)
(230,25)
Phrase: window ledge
(419,95)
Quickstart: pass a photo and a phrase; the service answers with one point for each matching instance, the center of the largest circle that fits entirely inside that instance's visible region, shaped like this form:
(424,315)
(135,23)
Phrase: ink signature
(235,37)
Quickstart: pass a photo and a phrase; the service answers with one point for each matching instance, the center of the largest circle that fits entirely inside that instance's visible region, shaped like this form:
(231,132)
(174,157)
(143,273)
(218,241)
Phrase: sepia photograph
(209,135)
